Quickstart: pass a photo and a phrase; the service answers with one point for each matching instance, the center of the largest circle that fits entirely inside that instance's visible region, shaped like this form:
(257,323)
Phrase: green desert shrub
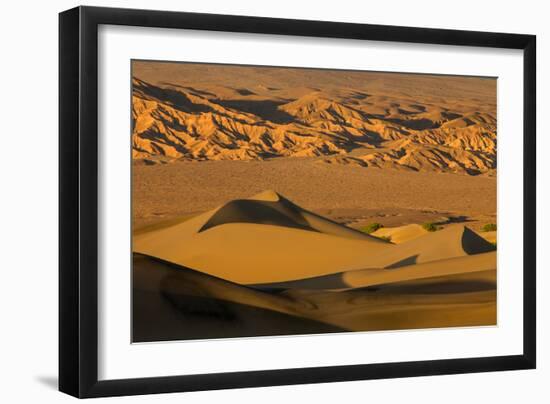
(371,228)
(489,227)
(430,226)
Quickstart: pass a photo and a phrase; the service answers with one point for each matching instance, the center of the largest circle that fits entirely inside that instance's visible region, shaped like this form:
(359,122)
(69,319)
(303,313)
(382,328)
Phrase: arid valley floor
(253,189)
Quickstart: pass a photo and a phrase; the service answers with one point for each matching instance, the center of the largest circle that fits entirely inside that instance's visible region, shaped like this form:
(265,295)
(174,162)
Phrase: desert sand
(253,187)
(267,238)
(267,263)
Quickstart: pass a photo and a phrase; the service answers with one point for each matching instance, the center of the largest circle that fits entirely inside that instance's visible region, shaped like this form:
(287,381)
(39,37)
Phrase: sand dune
(269,207)
(373,277)
(351,149)
(490,236)
(454,241)
(269,239)
(174,302)
(259,240)
(401,234)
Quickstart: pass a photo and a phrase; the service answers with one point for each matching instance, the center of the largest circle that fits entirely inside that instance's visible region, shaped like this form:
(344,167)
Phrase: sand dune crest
(252,241)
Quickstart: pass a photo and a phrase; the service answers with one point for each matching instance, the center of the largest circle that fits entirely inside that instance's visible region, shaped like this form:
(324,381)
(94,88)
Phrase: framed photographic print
(250,201)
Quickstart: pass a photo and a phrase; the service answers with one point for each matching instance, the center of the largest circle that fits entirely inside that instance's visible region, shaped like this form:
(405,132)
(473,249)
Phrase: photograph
(270,201)
(275,203)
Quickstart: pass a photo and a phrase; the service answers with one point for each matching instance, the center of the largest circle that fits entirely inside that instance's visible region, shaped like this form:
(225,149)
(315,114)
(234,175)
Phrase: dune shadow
(195,317)
(404,262)
(258,212)
(473,243)
(172,302)
(331,281)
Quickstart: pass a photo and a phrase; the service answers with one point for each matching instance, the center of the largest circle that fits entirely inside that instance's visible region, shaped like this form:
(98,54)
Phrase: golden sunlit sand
(265,256)
(271,201)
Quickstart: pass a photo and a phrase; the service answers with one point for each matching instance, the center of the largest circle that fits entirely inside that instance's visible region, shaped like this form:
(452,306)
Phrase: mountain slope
(337,126)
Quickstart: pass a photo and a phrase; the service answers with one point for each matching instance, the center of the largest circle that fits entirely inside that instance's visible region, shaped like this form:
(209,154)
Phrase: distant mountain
(334,125)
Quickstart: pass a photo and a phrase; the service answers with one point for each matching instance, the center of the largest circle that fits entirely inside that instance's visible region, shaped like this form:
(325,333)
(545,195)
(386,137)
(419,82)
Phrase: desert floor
(350,195)
(253,186)
(263,265)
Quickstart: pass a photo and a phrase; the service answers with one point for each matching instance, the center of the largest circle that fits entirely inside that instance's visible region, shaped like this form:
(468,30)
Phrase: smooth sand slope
(265,266)
(263,239)
(350,148)
(374,277)
(173,302)
(267,238)
(401,234)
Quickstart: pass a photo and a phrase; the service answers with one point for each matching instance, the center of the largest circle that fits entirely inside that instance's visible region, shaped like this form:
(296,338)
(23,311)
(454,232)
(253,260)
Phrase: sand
(251,188)
(351,195)
(266,266)
(258,241)
(173,302)
(401,234)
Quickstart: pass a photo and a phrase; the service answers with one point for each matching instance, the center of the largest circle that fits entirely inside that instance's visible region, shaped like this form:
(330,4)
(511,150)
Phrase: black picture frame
(78,201)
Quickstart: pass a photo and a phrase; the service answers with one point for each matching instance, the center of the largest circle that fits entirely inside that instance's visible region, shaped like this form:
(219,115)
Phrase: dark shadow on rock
(244,91)
(264,109)
(178,100)
(454,219)
(415,124)
(192,89)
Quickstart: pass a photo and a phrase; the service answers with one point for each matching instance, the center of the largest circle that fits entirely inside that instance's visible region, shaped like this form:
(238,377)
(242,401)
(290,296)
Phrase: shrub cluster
(429,226)
(371,228)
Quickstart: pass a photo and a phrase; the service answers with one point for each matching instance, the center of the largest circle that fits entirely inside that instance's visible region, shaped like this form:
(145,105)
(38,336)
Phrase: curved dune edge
(252,253)
(401,234)
(374,277)
(313,220)
(267,238)
(270,208)
(209,285)
(490,236)
(454,241)
(172,302)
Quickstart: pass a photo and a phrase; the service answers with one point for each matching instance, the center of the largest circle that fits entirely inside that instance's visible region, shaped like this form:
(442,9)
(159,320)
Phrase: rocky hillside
(336,125)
